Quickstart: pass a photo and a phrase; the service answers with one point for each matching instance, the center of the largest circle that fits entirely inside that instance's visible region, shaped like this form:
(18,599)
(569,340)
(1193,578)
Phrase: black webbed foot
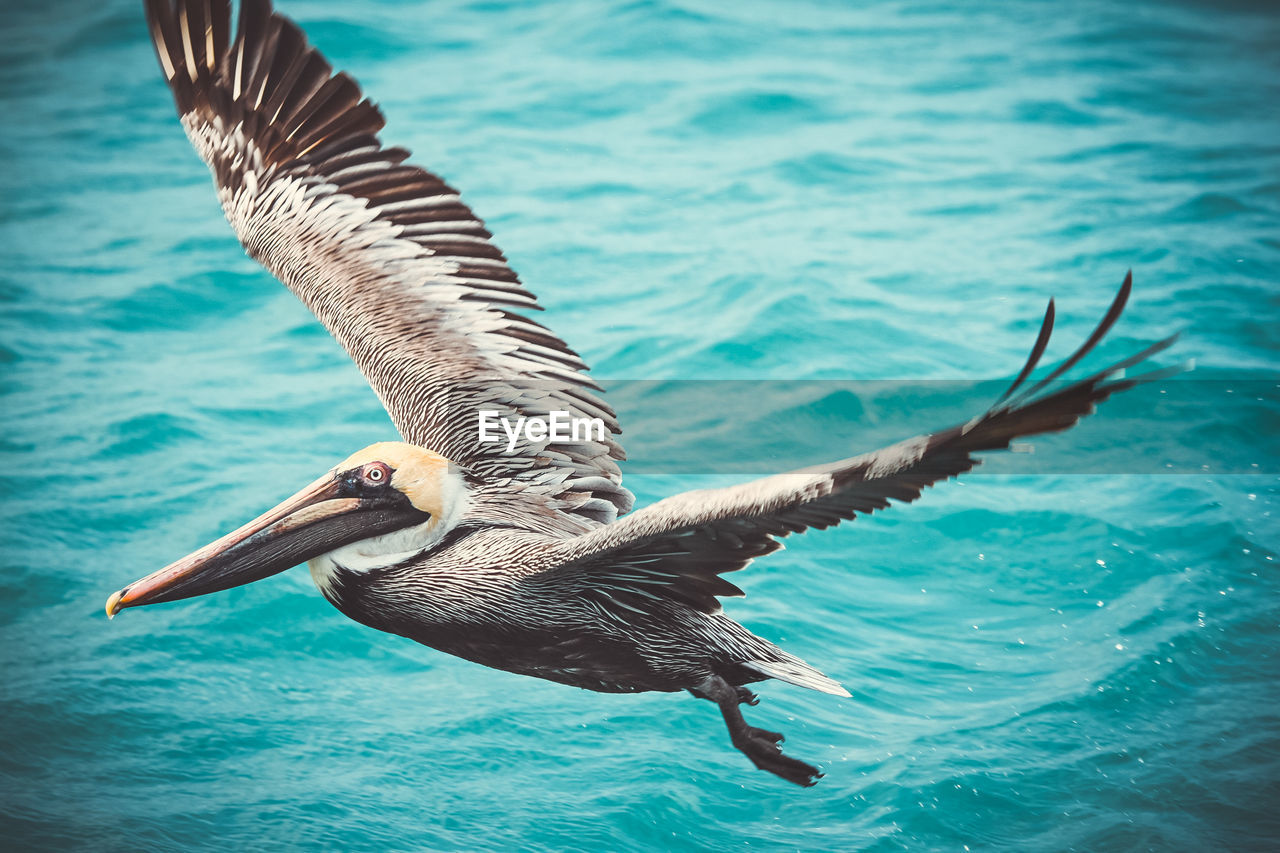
(762,748)
(760,745)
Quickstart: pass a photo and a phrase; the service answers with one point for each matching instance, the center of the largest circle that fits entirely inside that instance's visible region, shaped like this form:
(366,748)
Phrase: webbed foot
(760,745)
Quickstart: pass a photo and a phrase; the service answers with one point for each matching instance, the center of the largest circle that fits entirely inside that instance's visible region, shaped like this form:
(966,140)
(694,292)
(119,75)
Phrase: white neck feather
(397,546)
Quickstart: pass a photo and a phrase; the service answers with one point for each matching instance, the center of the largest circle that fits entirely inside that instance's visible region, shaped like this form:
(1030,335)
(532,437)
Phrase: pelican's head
(378,506)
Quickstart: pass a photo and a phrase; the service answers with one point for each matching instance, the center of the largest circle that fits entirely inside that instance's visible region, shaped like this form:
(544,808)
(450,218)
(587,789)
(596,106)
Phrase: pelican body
(525,556)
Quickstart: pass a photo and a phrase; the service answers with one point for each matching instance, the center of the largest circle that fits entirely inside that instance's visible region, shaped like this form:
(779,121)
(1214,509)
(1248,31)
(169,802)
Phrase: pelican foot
(759,745)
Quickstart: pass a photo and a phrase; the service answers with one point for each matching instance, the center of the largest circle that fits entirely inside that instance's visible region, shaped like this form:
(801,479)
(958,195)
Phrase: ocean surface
(844,220)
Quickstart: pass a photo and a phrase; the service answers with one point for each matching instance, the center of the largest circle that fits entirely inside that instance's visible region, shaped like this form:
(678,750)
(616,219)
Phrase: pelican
(526,558)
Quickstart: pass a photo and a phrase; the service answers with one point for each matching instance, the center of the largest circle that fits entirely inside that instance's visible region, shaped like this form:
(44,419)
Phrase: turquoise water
(1083,658)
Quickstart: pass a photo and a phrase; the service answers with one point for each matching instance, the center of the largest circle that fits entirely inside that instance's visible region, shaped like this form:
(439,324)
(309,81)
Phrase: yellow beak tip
(113,605)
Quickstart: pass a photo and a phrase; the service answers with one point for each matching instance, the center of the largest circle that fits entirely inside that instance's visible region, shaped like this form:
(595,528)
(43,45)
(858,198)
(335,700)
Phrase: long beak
(313,522)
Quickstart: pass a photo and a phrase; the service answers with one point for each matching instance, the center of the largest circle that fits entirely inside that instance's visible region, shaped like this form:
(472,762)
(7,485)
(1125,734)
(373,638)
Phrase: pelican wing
(677,549)
(385,254)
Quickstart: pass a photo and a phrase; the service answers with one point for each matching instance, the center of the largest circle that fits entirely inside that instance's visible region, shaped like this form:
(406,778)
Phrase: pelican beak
(322,517)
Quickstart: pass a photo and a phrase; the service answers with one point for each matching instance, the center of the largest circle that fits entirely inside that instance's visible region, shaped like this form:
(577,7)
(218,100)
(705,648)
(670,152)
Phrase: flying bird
(527,557)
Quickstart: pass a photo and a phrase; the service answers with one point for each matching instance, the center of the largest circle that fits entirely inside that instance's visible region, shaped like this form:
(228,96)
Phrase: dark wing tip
(1029,414)
(269,76)
(1042,341)
(1108,320)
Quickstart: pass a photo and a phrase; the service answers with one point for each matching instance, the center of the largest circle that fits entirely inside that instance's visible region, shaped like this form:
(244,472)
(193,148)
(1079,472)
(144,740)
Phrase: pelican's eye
(376,473)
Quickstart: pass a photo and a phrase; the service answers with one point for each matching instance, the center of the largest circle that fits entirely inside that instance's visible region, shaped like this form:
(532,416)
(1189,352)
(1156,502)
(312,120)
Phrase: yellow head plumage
(421,475)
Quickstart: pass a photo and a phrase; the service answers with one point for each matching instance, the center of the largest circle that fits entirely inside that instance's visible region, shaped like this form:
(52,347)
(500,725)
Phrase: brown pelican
(521,558)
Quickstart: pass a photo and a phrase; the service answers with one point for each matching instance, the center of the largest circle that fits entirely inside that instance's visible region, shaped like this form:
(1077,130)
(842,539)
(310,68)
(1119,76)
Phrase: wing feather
(680,546)
(385,253)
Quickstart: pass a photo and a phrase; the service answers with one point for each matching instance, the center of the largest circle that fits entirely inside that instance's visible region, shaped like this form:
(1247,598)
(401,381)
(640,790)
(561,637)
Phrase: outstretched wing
(677,549)
(385,254)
